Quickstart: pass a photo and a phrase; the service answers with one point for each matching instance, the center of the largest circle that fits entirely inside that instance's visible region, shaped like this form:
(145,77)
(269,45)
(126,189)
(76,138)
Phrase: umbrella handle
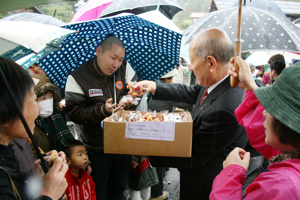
(238,47)
(237,52)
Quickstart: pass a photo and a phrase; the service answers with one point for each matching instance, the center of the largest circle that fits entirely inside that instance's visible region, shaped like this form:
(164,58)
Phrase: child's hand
(88,169)
(133,164)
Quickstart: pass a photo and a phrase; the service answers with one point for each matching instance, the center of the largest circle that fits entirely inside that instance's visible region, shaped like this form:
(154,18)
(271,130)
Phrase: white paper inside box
(148,138)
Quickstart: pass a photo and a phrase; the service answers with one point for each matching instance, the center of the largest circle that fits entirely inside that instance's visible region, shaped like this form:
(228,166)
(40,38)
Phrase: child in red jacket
(80,185)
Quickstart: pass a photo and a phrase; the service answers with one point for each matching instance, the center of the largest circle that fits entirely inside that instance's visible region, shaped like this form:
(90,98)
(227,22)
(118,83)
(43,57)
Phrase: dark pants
(157,190)
(109,173)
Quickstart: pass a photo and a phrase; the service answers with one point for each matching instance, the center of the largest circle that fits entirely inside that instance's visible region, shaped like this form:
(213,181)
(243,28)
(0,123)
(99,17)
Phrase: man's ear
(213,63)
(98,50)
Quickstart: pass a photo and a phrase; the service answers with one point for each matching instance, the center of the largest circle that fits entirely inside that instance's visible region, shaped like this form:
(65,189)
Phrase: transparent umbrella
(167,7)
(34,17)
(34,40)
(261,29)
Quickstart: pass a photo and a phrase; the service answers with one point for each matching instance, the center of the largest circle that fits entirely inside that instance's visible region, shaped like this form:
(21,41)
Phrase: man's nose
(117,63)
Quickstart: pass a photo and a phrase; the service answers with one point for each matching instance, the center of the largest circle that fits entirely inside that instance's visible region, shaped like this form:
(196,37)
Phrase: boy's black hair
(72,144)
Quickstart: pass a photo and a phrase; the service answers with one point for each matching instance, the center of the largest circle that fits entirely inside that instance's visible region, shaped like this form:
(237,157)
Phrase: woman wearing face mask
(51,131)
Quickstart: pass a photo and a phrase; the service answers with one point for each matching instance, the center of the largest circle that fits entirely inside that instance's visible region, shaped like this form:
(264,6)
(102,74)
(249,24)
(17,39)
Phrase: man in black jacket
(93,92)
(215,129)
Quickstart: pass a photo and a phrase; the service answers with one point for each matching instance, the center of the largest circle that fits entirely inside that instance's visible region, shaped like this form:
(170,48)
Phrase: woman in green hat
(271,118)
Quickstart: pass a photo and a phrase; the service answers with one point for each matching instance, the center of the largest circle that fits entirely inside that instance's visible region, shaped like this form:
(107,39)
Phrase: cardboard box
(179,144)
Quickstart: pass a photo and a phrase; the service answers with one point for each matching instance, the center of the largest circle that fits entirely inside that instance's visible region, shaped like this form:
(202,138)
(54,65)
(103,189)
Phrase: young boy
(80,185)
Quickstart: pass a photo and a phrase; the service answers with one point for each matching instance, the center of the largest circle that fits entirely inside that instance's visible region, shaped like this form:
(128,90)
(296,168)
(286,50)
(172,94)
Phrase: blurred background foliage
(63,11)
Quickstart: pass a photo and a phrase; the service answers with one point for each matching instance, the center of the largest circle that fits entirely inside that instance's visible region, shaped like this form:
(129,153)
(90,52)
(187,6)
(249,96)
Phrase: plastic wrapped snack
(134,88)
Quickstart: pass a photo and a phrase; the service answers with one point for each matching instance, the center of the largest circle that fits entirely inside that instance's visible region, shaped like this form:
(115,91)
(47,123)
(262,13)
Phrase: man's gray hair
(221,49)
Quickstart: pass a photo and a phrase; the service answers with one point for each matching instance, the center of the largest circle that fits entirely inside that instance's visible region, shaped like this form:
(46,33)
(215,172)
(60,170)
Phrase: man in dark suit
(215,129)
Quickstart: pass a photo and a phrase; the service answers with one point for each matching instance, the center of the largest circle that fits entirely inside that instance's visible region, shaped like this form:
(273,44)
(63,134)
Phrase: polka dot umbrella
(151,50)
(260,29)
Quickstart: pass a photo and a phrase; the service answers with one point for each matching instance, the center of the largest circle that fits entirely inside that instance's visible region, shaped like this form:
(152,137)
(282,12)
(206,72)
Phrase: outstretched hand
(238,156)
(246,81)
(146,86)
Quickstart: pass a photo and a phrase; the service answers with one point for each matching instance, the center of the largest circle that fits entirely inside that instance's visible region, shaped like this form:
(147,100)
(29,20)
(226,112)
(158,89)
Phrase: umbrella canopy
(258,58)
(261,29)
(151,50)
(262,4)
(34,17)
(19,39)
(91,10)
(167,7)
(157,17)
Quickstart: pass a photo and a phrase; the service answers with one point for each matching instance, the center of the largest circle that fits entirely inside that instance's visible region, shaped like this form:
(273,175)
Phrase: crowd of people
(261,115)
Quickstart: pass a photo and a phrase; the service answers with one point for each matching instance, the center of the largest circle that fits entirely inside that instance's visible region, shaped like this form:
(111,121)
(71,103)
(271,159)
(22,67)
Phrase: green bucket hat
(282,99)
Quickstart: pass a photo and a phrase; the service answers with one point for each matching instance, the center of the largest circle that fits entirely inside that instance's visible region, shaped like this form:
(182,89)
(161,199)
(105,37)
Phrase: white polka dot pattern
(261,29)
(151,50)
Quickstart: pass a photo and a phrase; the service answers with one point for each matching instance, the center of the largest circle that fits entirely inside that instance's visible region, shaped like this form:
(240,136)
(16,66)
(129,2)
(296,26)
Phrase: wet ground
(171,185)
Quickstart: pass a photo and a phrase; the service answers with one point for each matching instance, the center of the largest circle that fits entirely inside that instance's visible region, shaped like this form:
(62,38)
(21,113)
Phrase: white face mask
(46,108)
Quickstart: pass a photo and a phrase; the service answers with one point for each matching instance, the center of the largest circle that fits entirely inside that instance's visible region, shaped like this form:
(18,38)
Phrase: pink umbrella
(91,10)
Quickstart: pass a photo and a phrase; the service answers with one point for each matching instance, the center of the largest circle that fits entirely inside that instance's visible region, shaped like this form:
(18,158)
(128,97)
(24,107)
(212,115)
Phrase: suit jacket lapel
(213,95)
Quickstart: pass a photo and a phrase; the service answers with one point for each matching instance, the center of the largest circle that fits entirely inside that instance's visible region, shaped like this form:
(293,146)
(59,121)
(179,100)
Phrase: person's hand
(125,102)
(112,107)
(37,169)
(62,103)
(134,164)
(246,81)
(54,180)
(147,86)
(89,169)
(238,156)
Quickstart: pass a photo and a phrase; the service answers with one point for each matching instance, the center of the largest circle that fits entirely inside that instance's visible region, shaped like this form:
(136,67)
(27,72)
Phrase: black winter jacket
(9,162)
(87,90)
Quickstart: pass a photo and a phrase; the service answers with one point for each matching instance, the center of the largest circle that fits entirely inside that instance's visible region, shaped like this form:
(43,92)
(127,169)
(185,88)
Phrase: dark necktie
(204,95)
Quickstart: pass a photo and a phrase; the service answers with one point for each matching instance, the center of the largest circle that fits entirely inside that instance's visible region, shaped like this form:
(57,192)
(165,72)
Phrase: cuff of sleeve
(42,197)
(103,111)
(237,170)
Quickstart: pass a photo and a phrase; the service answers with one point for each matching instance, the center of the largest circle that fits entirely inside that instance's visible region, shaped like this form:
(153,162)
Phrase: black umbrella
(167,7)
(262,4)
(261,29)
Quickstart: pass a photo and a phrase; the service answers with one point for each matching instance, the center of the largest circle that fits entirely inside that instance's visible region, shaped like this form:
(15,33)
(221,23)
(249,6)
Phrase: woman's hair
(286,135)
(20,84)
(276,57)
(260,68)
(278,66)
